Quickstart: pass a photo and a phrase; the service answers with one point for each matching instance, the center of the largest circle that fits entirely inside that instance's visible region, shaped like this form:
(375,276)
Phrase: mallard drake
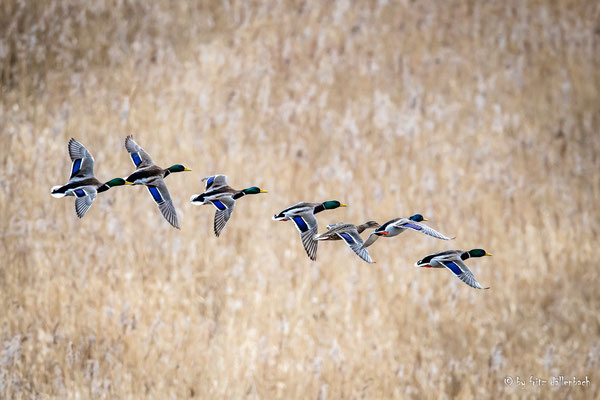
(83,184)
(152,176)
(303,215)
(454,261)
(350,233)
(218,193)
(396,226)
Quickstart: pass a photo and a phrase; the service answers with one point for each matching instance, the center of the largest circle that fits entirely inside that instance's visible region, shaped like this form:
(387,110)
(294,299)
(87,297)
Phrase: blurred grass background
(482,116)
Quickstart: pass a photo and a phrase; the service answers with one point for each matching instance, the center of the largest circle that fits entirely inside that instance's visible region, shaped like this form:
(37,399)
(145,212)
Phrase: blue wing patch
(76,166)
(136,159)
(453,267)
(415,227)
(80,193)
(219,205)
(155,194)
(300,224)
(210,181)
(347,238)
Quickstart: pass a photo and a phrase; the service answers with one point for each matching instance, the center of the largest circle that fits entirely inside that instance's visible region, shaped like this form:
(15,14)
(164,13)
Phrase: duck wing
(307,226)
(83,162)
(84,197)
(338,225)
(462,272)
(215,182)
(417,226)
(372,238)
(139,157)
(160,194)
(332,231)
(224,207)
(355,242)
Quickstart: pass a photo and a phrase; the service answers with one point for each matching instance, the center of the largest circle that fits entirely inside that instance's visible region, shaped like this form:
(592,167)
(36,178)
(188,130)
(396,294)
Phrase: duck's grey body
(303,215)
(218,193)
(396,226)
(350,234)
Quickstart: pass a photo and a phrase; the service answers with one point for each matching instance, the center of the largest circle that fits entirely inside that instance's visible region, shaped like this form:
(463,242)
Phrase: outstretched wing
(307,226)
(337,225)
(83,162)
(333,230)
(225,207)
(139,157)
(355,242)
(161,196)
(215,182)
(417,226)
(462,272)
(84,197)
(372,238)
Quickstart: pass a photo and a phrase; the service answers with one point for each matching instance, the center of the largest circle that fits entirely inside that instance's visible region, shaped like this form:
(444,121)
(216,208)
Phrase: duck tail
(421,264)
(197,200)
(56,192)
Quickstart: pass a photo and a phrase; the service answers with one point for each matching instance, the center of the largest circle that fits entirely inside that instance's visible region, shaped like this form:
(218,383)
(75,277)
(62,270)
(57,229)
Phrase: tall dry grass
(483,116)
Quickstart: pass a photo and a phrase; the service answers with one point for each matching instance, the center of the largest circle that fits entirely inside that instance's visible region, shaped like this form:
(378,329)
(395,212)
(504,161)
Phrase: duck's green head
(115,182)
(418,218)
(177,168)
(478,253)
(254,190)
(330,205)
(111,183)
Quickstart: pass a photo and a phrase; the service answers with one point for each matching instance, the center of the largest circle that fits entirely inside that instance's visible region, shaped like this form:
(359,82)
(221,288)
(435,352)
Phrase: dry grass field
(484,116)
